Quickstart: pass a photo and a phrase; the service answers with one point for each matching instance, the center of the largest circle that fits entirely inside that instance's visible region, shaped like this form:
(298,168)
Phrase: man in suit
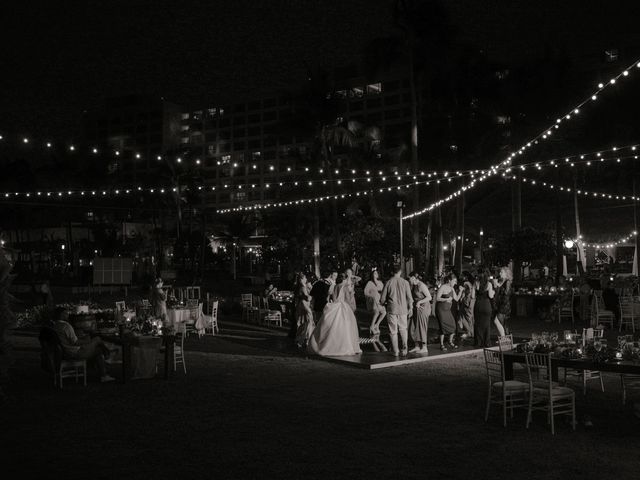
(321,293)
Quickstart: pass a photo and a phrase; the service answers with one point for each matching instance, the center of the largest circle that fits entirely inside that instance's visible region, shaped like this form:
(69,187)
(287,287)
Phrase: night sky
(59,58)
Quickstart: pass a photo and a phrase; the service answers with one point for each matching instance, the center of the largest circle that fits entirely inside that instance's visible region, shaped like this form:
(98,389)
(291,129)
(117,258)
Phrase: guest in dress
(372,293)
(585,293)
(466,304)
(611,300)
(349,280)
(304,314)
(336,333)
(159,301)
(482,310)
(320,294)
(445,296)
(419,325)
(503,301)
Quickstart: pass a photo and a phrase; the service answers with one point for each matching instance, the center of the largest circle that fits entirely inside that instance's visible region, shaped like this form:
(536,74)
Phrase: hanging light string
(579,191)
(621,241)
(474,183)
(587,158)
(573,112)
(271,205)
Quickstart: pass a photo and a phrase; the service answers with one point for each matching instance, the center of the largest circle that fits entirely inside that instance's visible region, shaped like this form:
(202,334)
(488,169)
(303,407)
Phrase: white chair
(627,314)
(587,375)
(56,363)
(565,309)
(601,315)
(211,318)
(194,313)
(178,349)
(553,399)
(246,302)
(508,393)
(505,343)
(273,317)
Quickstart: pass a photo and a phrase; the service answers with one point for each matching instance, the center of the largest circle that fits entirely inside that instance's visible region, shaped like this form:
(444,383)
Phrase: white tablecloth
(176,316)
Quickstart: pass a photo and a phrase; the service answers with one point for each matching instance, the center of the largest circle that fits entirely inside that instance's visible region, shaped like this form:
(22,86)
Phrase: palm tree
(317,116)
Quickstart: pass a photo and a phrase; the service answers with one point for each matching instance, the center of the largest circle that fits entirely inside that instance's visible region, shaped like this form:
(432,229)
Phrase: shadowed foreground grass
(254,415)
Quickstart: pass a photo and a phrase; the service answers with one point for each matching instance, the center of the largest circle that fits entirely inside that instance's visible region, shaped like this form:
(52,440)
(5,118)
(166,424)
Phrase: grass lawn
(242,412)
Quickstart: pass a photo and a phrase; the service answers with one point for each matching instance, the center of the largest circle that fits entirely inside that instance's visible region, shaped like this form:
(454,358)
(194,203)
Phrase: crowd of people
(464,308)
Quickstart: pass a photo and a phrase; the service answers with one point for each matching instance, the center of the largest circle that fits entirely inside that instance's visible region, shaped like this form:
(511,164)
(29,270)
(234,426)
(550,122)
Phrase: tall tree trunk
(428,249)
(417,252)
(460,232)
(316,240)
(559,246)
(580,246)
(516,225)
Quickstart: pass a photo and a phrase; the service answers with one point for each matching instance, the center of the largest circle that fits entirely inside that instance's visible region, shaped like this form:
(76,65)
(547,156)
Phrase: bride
(336,333)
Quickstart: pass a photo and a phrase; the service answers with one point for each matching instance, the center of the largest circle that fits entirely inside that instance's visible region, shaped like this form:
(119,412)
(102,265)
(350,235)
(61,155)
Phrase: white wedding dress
(336,333)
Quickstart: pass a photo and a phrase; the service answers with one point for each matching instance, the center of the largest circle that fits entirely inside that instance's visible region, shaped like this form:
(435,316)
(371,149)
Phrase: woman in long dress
(304,314)
(483,310)
(466,305)
(349,280)
(372,291)
(336,333)
(503,301)
(159,301)
(444,298)
(419,326)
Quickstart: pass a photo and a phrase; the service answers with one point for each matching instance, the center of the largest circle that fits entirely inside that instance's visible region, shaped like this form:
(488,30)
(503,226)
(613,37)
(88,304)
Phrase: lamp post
(400,205)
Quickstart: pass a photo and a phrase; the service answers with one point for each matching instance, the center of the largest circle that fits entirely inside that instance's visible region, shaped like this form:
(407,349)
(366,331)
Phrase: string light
(546,133)
(602,245)
(585,193)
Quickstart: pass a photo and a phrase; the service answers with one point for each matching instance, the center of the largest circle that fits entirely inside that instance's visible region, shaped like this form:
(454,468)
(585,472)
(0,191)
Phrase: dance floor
(275,340)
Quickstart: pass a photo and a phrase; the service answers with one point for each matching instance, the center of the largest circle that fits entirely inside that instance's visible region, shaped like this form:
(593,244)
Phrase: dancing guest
(336,333)
(372,292)
(349,280)
(611,300)
(466,304)
(419,325)
(482,310)
(304,315)
(159,301)
(503,301)
(585,293)
(320,293)
(445,296)
(396,296)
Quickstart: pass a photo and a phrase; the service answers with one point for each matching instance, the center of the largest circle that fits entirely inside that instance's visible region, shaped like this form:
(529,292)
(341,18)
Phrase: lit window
(226,159)
(256,155)
(197,115)
(212,112)
(185,116)
(503,119)
(374,88)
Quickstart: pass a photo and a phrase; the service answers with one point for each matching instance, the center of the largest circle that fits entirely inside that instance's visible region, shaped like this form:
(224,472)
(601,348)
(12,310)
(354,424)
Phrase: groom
(396,295)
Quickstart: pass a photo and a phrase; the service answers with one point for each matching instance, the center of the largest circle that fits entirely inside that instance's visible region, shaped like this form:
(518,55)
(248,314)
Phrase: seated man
(270,291)
(84,349)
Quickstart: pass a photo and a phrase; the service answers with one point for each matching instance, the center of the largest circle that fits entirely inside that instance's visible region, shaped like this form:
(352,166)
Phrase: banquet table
(140,354)
(530,304)
(618,366)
